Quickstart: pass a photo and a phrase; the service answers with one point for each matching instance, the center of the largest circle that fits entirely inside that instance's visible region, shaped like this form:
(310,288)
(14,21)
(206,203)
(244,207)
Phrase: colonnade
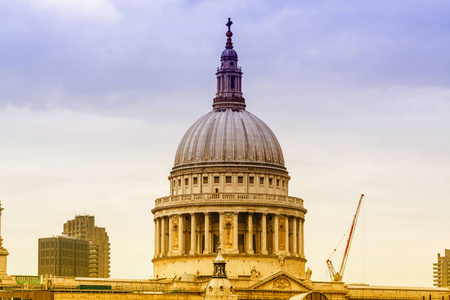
(238,232)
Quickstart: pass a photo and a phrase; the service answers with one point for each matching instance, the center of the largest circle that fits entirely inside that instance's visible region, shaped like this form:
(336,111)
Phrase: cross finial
(229,23)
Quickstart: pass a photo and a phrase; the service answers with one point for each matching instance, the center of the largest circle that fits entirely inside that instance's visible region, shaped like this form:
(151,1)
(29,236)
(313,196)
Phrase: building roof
(229,136)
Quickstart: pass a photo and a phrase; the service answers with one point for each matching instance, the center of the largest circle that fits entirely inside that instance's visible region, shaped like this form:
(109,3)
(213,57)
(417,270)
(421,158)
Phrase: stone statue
(308,274)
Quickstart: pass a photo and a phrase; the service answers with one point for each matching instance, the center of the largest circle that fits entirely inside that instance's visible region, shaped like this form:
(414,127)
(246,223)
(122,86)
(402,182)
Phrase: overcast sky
(96,95)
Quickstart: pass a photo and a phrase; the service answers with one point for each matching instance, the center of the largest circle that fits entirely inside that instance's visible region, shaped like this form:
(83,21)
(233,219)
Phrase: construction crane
(337,276)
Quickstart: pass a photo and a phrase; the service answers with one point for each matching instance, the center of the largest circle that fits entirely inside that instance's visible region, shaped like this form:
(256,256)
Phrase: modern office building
(441,270)
(83,227)
(63,256)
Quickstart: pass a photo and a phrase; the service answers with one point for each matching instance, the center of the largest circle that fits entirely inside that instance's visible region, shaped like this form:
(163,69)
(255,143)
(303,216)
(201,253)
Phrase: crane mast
(337,276)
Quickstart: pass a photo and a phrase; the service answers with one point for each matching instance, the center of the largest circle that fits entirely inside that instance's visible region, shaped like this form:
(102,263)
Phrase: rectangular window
(278,182)
(282,183)
(240,179)
(216,179)
(195,180)
(261,180)
(251,180)
(233,78)
(186,181)
(179,182)
(205,180)
(228,179)
(270,181)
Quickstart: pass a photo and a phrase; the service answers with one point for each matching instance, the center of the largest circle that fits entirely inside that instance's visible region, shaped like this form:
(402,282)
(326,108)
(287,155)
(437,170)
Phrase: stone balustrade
(228,197)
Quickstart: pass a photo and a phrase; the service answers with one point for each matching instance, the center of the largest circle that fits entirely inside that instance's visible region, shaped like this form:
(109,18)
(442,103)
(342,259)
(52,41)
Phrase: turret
(229,77)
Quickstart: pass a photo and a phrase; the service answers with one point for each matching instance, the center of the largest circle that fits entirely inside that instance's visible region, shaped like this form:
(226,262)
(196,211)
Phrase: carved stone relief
(282,283)
(228,231)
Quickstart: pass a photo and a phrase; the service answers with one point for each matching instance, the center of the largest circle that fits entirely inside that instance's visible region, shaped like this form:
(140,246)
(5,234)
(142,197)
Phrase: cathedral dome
(229,136)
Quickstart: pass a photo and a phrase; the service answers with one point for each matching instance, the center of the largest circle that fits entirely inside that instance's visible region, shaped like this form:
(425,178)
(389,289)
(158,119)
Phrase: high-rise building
(441,270)
(83,227)
(63,256)
(229,183)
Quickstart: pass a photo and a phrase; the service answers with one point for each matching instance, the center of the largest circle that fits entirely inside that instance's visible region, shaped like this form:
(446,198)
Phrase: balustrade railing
(220,197)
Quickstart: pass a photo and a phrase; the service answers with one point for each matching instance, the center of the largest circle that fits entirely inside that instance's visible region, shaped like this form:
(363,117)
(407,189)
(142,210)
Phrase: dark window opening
(228,179)
(261,180)
(195,180)
(232,81)
(216,179)
(270,181)
(251,180)
(205,180)
(240,179)
(186,181)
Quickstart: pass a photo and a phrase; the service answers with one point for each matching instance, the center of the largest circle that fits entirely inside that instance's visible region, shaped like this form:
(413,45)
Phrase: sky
(96,95)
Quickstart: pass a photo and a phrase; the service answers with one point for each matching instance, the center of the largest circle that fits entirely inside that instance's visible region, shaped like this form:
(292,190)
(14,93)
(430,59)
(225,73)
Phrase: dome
(229,136)
(229,53)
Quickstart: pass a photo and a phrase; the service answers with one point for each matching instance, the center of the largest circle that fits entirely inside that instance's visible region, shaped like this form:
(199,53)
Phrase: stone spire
(229,77)
(219,265)
(219,287)
(3,252)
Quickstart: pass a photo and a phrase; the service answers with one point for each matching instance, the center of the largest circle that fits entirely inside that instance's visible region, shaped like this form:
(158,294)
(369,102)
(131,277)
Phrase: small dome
(220,287)
(229,136)
(229,53)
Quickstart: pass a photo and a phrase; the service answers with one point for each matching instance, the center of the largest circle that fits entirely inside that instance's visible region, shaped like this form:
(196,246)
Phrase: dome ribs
(204,139)
(193,141)
(227,150)
(245,152)
(229,136)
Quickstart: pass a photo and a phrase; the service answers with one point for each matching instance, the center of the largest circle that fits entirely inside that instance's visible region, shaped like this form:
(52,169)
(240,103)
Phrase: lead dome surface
(229,136)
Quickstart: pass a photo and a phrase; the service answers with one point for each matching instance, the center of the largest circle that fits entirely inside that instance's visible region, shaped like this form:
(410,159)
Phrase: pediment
(281,281)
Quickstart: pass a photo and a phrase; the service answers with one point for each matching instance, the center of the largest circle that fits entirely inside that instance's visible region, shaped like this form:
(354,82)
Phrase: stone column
(264,234)
(157,236)
(207,235)
(286,243)
(163,237)
(181,240)
(169,251)
(294,236)
(250,233)
(221,228)
(235,232)
(193,235)
(302,248)
(275,234)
